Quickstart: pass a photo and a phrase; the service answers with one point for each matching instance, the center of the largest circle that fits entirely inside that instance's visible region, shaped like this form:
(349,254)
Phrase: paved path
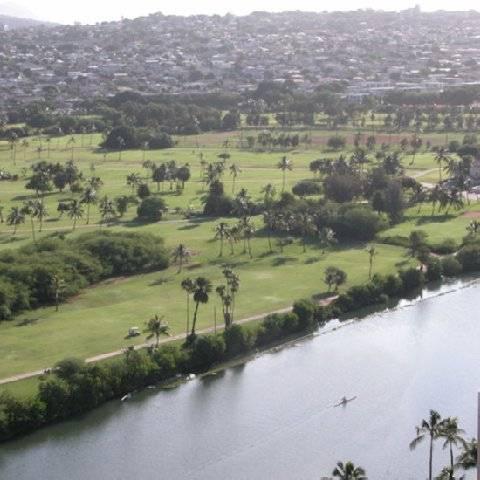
(116,353)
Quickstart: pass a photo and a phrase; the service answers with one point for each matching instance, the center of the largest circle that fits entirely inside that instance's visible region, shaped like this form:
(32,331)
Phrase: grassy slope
(97,320)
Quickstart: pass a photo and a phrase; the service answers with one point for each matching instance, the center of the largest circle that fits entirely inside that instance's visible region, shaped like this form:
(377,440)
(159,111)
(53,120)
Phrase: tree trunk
(88,213)
(188,313)
(430,459)
(33,229)
(451,462)
(194,323)
(221,246)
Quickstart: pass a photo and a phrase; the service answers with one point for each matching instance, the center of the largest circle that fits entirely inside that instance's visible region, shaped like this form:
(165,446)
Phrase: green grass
(97,320)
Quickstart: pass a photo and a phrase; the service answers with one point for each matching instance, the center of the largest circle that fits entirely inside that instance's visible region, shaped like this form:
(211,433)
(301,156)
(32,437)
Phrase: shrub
(304,310)
(238,340)
(448,246)
(143,191)
(469,257)
(161,140)
(412,279)
(306,188)
(218,206)
(206,351)
(451,267)
(434,269)
(337,142)
(358,223)
(151,209)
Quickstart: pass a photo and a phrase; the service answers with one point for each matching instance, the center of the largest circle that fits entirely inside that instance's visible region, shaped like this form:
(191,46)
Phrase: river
(273,417)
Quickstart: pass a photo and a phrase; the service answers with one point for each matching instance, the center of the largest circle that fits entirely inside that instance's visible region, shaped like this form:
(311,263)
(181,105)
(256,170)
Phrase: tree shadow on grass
(279,261)
(311,260)
(324,295)
(403,263)
(266,254)
(160,281)
(6,239)
(189,226)
(27,321)
(435,219)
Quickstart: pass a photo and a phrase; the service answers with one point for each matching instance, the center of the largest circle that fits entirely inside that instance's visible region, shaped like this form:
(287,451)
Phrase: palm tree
(468,457)
(58,286)
(75,212)
(30,208)
(189,286)
(89,198)
(41,214)
(221,233)
(452,436)
(134,180)
(441,158)
(284,164)
(202,287)
(121,145)
(326,238)
(15,218)
(107,210)
(234,171)
(372,252)
(233,237)
(25,146)
(156,327)
(181,255)
(247,227)
(227,294)
(71,142)
(348,471)
(429,429)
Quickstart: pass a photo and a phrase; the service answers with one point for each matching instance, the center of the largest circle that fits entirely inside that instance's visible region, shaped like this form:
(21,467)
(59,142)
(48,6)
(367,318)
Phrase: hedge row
(27,274)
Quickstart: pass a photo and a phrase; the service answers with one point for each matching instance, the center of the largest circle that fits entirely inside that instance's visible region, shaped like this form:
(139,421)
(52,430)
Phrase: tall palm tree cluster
(448,432)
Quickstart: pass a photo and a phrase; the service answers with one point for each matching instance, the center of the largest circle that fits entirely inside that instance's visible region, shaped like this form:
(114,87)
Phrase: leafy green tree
(348,471)
(428,430)
(334,277)
(156,327)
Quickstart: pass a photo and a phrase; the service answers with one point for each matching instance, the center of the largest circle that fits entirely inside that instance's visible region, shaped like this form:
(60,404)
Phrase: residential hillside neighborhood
(371,52)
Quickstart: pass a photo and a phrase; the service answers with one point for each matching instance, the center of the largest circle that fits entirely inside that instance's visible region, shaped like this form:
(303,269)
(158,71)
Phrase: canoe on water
(344,401)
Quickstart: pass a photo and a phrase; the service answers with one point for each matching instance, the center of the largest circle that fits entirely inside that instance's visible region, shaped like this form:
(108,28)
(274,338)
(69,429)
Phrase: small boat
(343,402)
(126,397)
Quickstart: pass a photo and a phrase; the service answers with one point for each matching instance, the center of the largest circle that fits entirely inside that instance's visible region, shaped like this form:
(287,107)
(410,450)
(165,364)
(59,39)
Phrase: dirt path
(116,353)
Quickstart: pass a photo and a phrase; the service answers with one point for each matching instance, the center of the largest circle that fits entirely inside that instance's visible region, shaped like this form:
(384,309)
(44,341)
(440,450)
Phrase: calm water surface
(273,418)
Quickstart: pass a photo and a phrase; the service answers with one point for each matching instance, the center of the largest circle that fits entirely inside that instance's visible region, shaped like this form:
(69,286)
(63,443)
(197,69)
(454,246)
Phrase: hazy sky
(91,11)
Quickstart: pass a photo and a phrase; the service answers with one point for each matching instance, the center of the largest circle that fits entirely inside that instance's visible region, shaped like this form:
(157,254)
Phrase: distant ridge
(16,22)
